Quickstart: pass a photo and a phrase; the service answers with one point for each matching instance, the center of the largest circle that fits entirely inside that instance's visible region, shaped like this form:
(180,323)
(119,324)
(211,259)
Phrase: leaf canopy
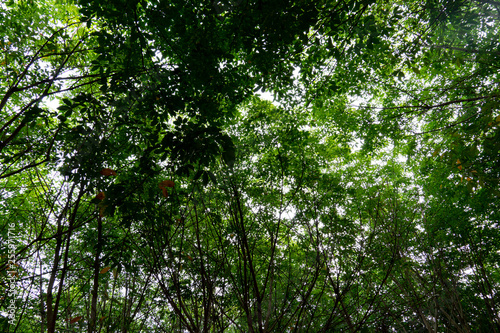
(147,184)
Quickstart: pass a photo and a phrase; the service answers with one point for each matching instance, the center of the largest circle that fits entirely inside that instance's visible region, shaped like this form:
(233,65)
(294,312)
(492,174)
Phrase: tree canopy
(148,185)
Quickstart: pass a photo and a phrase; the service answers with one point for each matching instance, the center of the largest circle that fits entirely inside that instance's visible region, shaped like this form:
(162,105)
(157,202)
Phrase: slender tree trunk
(52,309)
(93,307)
(51,315)
(42,304)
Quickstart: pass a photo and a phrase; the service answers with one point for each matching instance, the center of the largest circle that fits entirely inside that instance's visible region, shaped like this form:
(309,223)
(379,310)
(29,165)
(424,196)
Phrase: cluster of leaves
(161,194)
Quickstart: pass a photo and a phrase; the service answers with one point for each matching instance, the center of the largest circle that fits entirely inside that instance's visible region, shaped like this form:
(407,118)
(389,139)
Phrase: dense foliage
(146,186)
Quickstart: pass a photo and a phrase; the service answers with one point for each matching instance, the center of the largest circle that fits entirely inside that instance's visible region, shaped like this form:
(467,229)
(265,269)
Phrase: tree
(162,194)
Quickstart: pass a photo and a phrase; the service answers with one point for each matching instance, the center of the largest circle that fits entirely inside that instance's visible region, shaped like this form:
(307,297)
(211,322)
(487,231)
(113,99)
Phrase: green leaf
(229,155)
(212,177)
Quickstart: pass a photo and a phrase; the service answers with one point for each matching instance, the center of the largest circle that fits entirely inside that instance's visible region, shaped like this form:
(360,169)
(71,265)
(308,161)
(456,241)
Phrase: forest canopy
(148,183)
